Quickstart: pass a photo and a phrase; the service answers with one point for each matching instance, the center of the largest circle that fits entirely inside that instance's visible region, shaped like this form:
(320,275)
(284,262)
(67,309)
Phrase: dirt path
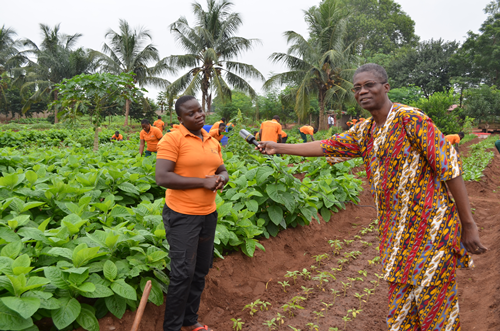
(238,280)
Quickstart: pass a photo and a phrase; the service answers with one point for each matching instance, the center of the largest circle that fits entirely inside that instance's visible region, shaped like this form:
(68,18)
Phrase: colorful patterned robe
(407,162)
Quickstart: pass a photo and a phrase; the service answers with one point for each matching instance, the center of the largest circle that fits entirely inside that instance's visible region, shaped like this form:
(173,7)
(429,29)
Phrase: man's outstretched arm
(470,234)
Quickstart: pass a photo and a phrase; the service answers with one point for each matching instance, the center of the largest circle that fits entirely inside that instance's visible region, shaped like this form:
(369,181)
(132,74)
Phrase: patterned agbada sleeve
(342,147)
(432,144)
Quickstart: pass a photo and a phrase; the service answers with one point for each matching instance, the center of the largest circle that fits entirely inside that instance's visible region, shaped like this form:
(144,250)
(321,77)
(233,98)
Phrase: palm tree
(127,52)
(54,60)
(7,47)
(211,46)
(321,65)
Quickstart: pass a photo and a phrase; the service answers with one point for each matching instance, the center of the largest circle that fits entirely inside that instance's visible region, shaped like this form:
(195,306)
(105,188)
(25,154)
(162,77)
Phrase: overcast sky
(262,19)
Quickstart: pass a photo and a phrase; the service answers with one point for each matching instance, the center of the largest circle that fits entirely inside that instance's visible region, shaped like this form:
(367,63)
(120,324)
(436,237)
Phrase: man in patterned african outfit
(424,234)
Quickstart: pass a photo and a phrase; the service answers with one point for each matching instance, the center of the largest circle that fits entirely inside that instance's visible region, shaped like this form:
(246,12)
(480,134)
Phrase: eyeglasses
(369,85)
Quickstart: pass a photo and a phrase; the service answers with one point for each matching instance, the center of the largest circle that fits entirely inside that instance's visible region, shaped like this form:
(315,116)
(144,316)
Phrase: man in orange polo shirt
(216,124)
(151,135)
(271,130)
(218,133)
(159,124)
(454,139)
(189,164)
(307,130)
(117,136)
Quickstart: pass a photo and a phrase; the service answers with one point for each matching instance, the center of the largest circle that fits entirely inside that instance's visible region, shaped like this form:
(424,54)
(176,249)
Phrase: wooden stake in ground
(142,305)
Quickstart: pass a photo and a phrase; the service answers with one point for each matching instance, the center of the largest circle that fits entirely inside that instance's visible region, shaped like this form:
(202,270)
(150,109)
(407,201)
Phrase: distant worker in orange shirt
(271,130)
(218,133)
(284,137)
(307,130)
(454,139)
(150,135)
(159,124)
(117,136)
(216,124)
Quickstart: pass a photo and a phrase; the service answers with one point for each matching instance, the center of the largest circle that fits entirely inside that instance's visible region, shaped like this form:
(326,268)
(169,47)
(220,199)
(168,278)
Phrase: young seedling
(312,326)
(379,276)
(348,242)
(271,324)
(363,273)
(290,307)
(252,307)
(368,292)
(366,244)
(313,268)
(333,329)
(322,278)
(336,245)
(294,329)
(346,319)
(284,284)
(352,280)
(280,319)
(346,286)
(354,312)
(359,279)
(357,237)
(360,298)
(342,262)
(306,290)
(320,258)
(319,314)
(375,284)
(263,305)
(327,305)
(237,324)
(335,294)
(375,260)
(292,274)
(297,299)
(305,274)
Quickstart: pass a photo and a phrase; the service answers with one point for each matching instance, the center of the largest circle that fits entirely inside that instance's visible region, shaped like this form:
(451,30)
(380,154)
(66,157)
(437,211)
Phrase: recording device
(250,138)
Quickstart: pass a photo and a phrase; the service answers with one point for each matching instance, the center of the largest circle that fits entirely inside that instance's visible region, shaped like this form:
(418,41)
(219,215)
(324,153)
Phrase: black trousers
(191,240)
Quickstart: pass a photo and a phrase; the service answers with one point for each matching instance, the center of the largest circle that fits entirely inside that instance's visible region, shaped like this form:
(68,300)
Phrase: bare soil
(238,280)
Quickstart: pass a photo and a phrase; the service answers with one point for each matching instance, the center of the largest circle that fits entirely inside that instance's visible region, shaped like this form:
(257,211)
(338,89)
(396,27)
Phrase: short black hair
(222,124)
(376,69)
(145,121)
(159,117)
(181,101)
(315,130)
(461,135)
(116,132)
(276,117)
(223,119)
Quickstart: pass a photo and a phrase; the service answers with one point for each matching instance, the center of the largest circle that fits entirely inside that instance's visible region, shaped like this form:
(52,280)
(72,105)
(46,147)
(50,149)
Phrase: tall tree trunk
(322,120)
(257,114)
(209,102)
(55,108)
(127,111)
(96,138)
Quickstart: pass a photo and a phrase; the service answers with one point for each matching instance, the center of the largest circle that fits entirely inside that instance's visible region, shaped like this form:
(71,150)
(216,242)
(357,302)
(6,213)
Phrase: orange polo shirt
(216,125)
(193,158)
(152,138)
(215,133)
(270,130)
(361,119)
(453,138)
(159,124)
(175,127)
(120,137)
(307,129)
(283,134)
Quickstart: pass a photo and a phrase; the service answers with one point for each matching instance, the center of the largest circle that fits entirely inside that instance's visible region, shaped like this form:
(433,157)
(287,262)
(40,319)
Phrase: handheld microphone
(250,138)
